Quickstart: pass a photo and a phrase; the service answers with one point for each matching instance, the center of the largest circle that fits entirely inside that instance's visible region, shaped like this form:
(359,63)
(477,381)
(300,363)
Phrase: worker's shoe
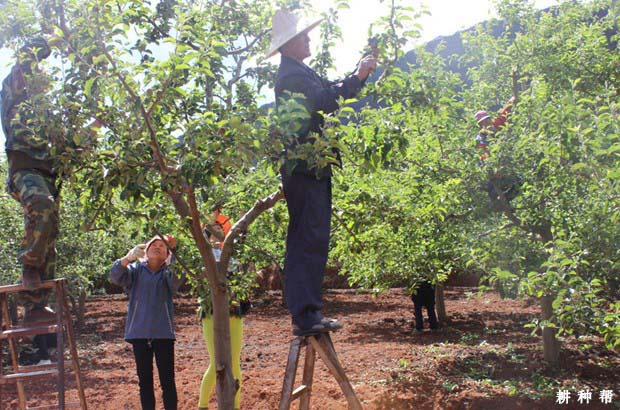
(324,326)
(333,323)
(39,315)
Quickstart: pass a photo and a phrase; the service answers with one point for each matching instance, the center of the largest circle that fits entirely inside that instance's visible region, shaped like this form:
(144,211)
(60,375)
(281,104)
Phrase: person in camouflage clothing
(32,180)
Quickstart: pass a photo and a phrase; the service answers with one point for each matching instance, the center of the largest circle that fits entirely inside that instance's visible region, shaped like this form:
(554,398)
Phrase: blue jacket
(150,312)
(320,95)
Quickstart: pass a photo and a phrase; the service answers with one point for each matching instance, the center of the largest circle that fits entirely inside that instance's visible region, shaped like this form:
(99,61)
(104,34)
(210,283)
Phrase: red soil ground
(483,358)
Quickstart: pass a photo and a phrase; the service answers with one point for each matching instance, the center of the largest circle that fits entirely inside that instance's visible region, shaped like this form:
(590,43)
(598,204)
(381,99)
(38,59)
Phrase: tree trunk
(551,347)
(226,386)
(440,304)
(215,272)
(544,234)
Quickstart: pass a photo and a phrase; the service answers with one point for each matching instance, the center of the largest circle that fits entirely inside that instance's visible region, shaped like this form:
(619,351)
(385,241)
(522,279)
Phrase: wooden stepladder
(11,334)
(321,344)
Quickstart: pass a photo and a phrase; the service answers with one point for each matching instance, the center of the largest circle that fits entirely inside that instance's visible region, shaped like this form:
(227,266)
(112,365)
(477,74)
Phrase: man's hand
(172,241)
(366,66)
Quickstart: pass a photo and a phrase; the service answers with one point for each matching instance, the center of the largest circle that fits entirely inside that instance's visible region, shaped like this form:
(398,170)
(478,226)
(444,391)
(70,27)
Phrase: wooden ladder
(10,333)
(321,344)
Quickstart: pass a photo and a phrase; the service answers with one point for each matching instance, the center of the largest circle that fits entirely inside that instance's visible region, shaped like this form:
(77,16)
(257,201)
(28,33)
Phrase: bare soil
(484,358)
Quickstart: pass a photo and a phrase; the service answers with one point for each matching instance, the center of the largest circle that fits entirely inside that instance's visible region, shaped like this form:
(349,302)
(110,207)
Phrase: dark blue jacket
(150,312)
(320,95)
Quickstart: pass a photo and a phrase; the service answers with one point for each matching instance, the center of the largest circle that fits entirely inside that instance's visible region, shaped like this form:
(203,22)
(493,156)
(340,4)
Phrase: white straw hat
(286,25)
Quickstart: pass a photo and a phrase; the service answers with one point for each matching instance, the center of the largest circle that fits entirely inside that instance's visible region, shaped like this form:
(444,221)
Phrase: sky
(446,17)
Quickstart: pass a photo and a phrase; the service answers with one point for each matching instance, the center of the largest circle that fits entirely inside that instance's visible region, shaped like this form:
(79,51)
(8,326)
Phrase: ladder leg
(73,350)
(60,345)
(13,352)
(289,376)
(325,348)
(304,399)
(2,327)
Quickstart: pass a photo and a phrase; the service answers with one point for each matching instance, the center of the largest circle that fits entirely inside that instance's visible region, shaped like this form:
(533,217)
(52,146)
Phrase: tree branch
(346,228)
(267,254)
(204,247)
(88,226)
(491,231)
(242,224)
(251,44)
(541,233)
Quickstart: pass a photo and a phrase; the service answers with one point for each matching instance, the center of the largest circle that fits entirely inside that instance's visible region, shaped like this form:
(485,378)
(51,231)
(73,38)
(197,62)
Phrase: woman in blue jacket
(149,326)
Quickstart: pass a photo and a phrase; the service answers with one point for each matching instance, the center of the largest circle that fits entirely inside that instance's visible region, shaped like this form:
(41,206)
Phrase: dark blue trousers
(309,203)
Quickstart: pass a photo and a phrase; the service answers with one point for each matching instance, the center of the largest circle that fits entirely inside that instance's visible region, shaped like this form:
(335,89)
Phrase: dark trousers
(309,203)
(143,350)
(419,319)
(42,343)
(424,296)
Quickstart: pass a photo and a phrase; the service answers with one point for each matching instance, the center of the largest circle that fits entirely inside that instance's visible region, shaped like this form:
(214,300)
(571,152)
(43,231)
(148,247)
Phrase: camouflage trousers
(36,191)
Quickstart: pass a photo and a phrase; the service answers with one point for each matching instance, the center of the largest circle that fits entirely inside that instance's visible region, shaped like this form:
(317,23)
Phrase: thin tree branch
(176,257)
(267,254)
(250,45)
(242,224)
(452,215)
(346,228)
(491,231)
(89,225)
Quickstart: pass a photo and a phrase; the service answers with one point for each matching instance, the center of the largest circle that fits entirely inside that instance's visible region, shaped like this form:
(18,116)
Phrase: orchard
(180,88)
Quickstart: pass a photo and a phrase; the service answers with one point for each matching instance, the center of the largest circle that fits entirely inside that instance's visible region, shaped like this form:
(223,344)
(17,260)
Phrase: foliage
(178,94)
(412,202)
(560,142)
(11,227)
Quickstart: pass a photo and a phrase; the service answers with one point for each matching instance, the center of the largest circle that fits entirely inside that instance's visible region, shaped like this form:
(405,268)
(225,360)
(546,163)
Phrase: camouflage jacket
(25,113)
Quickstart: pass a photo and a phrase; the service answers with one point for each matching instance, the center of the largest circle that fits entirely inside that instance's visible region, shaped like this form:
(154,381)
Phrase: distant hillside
(452,46)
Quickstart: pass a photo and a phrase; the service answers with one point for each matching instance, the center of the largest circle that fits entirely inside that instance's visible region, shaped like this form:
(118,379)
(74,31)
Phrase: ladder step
(35,368)
(29,331)
(47,284)
(299,391)
(54,406)
(11,378)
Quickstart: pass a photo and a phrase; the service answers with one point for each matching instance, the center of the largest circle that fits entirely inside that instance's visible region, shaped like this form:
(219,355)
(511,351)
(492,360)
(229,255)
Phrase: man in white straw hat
(306,188)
